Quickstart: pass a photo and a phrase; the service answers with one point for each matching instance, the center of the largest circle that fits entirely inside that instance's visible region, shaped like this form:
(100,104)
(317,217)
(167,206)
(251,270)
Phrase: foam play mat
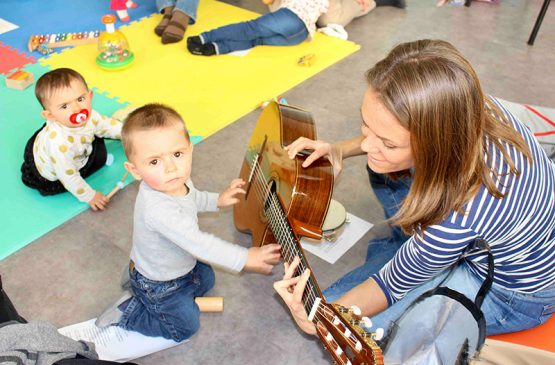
(24,213)
(209,92)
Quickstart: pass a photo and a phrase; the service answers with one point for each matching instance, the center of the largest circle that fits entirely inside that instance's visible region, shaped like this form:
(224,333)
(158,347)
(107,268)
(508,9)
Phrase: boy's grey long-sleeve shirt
(167,240)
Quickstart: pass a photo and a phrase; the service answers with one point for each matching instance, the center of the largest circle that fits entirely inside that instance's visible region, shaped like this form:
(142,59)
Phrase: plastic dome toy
(113,48)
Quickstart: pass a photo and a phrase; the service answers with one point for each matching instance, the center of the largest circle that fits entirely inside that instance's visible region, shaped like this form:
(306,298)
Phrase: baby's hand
(262,259)
(98,202)
(227,197)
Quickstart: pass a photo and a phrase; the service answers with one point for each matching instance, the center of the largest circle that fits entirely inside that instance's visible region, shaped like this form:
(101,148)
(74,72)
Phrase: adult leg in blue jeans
(167,308)
(504,310)
(281,28)
(390,194)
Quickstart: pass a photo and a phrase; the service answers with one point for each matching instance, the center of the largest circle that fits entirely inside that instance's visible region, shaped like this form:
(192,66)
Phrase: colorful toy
(307,60)
(19,80)
(120,7)
(113,48)
(45,42)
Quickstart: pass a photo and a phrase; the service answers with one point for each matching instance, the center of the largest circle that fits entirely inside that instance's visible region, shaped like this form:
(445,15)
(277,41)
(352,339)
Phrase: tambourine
(335,220)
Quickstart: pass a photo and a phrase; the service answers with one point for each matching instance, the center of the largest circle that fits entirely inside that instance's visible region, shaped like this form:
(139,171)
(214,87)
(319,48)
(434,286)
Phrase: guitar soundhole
(271,189)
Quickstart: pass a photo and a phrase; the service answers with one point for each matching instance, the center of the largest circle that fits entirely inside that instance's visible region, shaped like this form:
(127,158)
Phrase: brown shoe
(164,22)
(176,28)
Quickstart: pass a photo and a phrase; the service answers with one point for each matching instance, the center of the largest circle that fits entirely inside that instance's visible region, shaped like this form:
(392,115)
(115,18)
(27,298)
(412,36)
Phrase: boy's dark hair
(55,80)
(149,116)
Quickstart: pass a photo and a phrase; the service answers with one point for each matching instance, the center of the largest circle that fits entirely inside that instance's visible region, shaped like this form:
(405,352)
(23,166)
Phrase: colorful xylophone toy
(48,41)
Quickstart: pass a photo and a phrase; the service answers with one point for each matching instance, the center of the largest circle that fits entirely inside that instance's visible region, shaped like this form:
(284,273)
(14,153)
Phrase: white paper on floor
(116,344)
(6,26)
(354,229)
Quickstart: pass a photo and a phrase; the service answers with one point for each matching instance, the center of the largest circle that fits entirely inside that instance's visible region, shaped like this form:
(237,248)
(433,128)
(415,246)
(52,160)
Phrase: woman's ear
(132,170)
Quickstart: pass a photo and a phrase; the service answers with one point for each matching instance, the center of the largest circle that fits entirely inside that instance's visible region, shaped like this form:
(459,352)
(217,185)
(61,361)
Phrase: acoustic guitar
(285,201)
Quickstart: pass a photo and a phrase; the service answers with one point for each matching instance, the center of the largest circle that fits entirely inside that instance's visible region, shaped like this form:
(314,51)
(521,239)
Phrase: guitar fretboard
(290,246)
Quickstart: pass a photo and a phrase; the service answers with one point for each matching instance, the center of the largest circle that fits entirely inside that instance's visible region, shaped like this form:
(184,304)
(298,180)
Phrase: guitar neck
(291,248)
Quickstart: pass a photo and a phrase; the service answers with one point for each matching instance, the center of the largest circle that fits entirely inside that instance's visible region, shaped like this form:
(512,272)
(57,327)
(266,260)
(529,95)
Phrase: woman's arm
(368,296)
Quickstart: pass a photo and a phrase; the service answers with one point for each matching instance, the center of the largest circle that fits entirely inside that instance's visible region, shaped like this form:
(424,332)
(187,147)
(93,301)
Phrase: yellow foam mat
(209,92)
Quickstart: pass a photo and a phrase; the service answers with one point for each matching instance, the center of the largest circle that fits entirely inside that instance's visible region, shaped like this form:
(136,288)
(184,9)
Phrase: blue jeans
(280,28)
(167,308)
(390,194)
(504,310)
(189,7)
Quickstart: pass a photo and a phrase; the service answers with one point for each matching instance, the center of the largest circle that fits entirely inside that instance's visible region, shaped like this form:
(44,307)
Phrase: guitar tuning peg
(366,322)
(355,310)
(378,335)
(341,309)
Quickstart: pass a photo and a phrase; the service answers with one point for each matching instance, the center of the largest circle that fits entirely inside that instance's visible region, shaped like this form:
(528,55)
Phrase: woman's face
(386,142)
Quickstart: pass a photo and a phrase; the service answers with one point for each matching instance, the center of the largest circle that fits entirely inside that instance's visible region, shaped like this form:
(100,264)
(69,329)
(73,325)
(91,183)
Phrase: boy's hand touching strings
(227,197)
(262,259)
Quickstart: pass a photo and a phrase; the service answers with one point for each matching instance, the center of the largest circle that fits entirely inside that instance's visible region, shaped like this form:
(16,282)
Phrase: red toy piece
(121,6)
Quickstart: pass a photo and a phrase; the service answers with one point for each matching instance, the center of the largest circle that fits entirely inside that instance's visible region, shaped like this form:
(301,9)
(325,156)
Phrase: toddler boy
(171,256)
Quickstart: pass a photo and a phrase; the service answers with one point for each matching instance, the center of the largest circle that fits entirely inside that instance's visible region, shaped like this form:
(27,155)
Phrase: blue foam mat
(59,16)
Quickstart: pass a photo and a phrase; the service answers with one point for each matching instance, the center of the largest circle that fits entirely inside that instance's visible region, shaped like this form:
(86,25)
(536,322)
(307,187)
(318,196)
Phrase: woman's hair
(435,94)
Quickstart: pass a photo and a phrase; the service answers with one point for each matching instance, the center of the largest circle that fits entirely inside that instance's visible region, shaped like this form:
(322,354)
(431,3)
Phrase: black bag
(442,326)
(8,313)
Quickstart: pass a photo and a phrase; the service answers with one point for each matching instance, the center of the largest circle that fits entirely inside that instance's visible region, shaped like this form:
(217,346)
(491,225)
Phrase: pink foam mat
(11,59)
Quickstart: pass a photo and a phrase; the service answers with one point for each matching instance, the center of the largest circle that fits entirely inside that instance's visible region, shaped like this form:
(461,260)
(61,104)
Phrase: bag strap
(482,244)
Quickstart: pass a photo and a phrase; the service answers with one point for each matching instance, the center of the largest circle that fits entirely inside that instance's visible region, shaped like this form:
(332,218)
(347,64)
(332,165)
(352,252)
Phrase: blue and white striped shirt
(520,229)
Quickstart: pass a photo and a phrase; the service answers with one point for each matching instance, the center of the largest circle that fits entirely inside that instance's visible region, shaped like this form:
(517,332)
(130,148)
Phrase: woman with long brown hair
(450,165)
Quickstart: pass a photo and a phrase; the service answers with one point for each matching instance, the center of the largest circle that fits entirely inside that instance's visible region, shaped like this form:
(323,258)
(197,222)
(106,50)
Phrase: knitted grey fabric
(39,343)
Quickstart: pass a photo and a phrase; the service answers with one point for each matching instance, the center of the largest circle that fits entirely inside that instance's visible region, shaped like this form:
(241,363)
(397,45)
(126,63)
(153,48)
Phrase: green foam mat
(26,215)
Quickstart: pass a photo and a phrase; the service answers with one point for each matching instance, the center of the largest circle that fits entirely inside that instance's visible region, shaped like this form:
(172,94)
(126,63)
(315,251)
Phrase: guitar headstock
(340,330)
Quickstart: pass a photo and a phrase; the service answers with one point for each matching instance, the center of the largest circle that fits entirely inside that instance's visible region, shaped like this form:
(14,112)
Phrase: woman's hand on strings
(291,290)
(319,149)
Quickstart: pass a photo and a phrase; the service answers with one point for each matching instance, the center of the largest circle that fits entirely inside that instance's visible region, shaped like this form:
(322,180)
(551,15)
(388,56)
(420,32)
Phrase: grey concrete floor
(70,274)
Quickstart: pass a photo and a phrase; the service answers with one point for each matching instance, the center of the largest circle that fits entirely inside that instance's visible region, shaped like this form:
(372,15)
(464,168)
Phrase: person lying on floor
(342,12)
(291,24)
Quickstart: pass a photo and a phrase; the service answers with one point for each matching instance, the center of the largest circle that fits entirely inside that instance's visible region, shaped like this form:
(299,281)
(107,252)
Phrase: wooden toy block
(20,80)
(62,40)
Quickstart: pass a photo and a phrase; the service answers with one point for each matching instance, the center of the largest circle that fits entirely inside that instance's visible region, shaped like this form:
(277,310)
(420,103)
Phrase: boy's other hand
(262,259)
(227,197)
(98,202)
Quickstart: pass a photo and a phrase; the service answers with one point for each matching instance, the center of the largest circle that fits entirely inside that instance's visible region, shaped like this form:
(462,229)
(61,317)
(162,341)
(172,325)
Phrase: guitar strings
(282,230)
(274,210)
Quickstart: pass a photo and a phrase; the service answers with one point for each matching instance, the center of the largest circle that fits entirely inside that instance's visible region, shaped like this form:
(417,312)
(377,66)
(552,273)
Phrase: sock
(396,3)
(176,27)
(165,20)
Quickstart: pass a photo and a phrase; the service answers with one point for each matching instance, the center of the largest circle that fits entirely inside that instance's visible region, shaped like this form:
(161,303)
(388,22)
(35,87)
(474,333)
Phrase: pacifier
(80,117)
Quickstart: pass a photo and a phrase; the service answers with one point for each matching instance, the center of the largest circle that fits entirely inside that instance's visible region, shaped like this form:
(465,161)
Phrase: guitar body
(285,201)
(305,193)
